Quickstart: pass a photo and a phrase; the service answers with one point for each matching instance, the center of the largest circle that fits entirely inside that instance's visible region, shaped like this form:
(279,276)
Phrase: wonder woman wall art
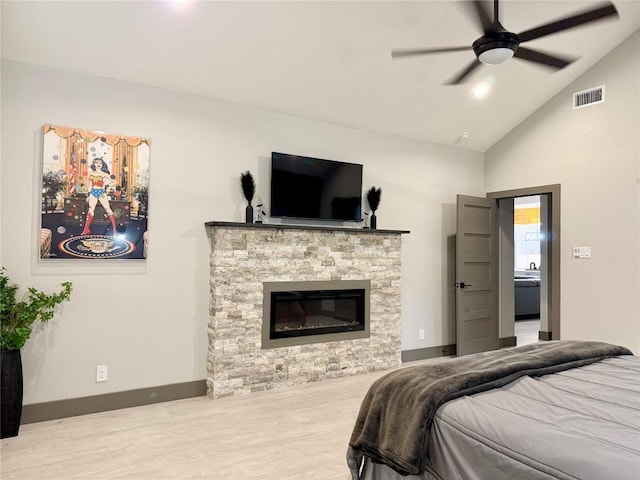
(95,195)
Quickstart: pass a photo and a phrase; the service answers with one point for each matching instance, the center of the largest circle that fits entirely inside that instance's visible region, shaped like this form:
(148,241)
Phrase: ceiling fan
(497,45)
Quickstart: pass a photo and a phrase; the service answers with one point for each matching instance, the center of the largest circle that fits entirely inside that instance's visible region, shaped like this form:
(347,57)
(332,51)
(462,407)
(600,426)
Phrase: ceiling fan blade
(604,11)
(462,75)
(425,51)
(542,58)
(482,15)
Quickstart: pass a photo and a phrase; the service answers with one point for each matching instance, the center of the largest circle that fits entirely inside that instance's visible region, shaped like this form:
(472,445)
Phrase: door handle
(462,285)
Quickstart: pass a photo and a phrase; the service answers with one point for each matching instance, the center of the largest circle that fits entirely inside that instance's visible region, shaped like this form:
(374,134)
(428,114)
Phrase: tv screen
(313,188)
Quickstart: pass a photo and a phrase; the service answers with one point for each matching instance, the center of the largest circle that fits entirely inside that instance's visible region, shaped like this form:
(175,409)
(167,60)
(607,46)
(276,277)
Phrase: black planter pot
(248,212)
(11,391)
(373,222)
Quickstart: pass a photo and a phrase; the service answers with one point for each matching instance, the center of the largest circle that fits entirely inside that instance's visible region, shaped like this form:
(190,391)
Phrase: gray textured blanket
(397,412)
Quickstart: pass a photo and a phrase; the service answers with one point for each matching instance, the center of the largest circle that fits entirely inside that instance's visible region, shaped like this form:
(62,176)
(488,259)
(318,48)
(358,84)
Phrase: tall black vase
(248,213)
(11,390)
(373,222)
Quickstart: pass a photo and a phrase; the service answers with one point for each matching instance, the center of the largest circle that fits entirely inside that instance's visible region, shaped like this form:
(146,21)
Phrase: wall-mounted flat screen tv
(313,188)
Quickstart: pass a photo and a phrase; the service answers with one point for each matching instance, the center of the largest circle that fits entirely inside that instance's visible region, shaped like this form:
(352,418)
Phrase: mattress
(582,423)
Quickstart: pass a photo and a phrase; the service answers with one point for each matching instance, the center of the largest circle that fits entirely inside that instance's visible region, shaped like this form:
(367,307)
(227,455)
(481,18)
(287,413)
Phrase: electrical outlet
(421,334)
(102,373)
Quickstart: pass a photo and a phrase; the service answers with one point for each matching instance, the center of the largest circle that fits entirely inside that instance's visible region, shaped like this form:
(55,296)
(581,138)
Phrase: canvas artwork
(95,195)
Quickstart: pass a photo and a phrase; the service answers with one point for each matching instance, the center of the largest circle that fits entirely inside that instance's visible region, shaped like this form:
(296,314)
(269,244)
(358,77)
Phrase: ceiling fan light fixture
(496,48)
(496,56)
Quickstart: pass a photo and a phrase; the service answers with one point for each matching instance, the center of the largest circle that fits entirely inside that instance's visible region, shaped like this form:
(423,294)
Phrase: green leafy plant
(18,316)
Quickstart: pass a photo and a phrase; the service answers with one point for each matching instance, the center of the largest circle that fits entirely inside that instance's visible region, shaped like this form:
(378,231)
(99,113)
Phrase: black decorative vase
(248,213)
(11,391)
(374,221)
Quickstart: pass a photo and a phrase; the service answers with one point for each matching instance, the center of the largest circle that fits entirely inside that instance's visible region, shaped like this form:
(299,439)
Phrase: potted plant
(373,198)
(248,190)
(18,317)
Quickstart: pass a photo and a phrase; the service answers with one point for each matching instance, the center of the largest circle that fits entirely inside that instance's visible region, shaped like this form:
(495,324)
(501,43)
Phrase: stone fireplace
(321,276)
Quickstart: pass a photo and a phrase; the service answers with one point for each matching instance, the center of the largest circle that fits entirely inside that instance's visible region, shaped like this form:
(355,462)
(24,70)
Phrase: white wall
(593,153)
(148,320)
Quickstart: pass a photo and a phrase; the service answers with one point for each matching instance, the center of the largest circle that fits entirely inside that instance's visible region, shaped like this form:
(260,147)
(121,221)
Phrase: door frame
(553,192)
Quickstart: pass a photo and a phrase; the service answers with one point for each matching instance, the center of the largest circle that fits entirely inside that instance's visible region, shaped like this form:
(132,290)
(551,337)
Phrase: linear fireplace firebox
(299,313)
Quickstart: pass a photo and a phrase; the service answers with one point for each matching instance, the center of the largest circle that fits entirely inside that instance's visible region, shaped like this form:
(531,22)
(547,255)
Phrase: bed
(552,410)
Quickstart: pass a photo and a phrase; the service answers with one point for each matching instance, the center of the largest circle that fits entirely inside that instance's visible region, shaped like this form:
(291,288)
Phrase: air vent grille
(589,97)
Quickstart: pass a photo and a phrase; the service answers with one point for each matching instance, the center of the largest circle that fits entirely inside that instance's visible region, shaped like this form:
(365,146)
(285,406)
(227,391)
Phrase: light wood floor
(526,331)
(297,433)
(288,434)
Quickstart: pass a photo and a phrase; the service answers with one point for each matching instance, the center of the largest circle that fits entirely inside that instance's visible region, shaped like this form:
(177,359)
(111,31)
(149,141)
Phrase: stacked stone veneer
(242,258)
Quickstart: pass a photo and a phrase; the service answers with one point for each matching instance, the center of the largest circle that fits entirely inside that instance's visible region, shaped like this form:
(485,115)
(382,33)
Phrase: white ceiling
(328,60)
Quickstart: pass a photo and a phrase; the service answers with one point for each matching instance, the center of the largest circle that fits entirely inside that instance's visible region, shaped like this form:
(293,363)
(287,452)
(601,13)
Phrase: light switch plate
(582,252)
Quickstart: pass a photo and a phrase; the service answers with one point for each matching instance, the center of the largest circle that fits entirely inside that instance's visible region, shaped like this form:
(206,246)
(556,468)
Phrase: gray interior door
(476,275)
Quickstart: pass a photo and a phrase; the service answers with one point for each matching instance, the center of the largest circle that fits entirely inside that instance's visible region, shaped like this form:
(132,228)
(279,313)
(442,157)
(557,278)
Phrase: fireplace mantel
(245,256)
(283,226)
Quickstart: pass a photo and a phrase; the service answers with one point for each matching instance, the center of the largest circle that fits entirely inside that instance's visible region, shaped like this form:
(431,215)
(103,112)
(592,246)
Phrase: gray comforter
(397,412)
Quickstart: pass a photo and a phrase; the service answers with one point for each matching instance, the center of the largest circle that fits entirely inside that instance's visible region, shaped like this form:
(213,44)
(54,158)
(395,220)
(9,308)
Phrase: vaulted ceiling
(325,60)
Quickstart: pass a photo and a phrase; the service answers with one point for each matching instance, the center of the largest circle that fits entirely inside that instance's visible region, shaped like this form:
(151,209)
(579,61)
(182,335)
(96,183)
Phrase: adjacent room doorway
(547,271)
(529,233)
